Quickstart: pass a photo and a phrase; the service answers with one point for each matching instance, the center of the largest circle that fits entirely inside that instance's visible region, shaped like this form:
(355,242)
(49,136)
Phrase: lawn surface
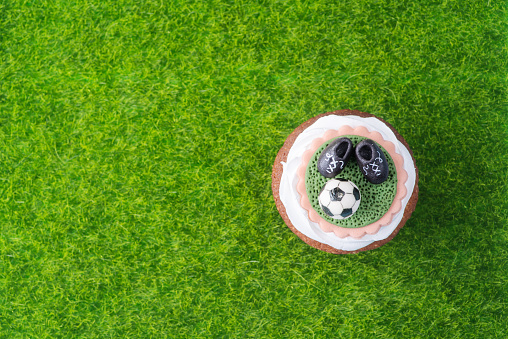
(136,145)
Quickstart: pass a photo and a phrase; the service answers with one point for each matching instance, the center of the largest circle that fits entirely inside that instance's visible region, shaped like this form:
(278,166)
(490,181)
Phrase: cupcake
(345,182)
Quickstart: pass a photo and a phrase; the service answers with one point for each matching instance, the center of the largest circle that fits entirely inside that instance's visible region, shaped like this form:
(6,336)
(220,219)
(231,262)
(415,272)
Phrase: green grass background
(136,145)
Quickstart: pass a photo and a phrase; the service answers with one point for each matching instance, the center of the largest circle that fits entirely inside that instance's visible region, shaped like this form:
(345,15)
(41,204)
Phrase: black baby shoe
(372,161)
(334,157)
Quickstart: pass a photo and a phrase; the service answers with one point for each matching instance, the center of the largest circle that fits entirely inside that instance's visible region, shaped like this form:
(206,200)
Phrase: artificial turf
(136,145)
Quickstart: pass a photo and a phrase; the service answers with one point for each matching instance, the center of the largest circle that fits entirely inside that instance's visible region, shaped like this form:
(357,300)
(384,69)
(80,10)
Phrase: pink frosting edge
(402,176)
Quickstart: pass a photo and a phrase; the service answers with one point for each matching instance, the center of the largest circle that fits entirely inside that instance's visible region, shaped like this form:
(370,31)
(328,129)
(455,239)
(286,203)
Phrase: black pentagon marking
(346,212)
(342,179)
(326,210)
(356,193)
(336,194)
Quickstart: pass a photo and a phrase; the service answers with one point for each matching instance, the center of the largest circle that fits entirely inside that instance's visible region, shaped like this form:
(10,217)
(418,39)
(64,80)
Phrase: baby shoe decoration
(334,157)
(372,161)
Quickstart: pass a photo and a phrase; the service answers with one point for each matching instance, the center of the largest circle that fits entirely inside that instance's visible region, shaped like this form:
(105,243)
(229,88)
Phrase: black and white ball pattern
(339,198)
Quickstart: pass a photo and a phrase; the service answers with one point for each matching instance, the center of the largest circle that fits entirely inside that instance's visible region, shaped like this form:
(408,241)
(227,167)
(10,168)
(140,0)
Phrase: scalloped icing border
(402,176)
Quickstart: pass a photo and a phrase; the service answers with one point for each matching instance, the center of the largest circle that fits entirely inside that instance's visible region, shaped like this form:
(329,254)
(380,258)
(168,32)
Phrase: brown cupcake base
(277,174)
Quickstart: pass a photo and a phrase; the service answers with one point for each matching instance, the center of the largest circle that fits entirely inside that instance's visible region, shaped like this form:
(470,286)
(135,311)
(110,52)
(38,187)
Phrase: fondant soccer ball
(339,198)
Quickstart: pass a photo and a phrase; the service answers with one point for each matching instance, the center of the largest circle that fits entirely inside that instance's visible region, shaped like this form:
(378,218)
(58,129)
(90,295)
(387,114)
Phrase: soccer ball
(339,198)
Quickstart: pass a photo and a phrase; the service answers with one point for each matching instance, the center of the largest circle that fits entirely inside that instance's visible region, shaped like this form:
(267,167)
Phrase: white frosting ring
(290,198)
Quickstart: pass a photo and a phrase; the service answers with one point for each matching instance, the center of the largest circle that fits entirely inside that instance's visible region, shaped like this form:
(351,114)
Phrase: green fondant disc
(376,199)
